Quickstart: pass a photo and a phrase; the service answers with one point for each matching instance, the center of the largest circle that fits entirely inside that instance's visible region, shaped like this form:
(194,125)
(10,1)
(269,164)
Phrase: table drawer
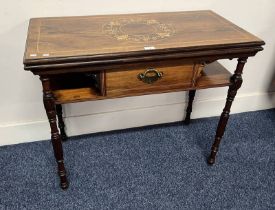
(151,80)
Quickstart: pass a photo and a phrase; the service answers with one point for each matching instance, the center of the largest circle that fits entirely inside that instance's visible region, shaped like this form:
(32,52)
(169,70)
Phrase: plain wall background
(22,116)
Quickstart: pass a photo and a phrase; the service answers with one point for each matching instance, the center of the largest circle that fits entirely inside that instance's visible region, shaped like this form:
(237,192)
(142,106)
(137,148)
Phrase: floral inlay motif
(138,30)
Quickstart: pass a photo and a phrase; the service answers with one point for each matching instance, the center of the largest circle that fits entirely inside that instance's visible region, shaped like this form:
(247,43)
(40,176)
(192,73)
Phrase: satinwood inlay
(138,30)
(116,49)
(66,38)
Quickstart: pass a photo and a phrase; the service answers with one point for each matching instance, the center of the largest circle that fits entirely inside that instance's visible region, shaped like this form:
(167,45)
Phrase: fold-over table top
(61,37)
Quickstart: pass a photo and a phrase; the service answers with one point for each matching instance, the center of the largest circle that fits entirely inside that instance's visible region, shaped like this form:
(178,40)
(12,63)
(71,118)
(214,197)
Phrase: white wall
(22,117)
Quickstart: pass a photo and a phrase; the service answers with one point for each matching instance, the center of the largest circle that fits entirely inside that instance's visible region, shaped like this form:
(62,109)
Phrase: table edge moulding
(87,58)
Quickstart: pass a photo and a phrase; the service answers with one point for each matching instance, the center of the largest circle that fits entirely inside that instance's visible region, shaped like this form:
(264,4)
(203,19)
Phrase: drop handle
(150,76)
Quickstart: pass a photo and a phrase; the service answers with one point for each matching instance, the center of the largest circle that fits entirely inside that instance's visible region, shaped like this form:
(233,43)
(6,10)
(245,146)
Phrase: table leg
(49,105)
(61,123)
(236,82)
(189,106)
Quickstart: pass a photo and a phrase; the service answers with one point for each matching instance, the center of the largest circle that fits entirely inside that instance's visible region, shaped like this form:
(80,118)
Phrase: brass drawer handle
(150,76)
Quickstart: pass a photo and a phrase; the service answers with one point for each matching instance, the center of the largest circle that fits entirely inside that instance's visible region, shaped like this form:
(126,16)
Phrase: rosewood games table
(110,56)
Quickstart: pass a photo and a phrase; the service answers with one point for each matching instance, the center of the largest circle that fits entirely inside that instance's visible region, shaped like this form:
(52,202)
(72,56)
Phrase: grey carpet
(156,167)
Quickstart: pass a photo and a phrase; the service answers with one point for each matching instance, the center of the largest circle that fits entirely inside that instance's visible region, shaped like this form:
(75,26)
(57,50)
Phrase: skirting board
(129,118)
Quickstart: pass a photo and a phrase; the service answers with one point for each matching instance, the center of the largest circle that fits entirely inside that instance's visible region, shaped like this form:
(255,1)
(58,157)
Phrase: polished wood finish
(236,82)
(213,75)
(50,108)
(63,40)
(102,79)
(191,97)
(61,123)
(126,83)
(100,57)
(76,95)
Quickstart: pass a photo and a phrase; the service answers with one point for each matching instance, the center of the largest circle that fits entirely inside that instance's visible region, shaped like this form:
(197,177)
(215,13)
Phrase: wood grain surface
(127,82)
(213,75)
(57,39)
(101,57)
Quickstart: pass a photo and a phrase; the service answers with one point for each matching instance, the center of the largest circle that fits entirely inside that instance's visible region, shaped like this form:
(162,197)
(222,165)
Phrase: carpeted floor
(156,167)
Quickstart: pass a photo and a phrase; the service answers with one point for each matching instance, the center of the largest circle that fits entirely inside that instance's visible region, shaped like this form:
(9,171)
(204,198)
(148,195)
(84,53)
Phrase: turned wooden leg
(236,82)
(61,123)
(49,105)
(189,106)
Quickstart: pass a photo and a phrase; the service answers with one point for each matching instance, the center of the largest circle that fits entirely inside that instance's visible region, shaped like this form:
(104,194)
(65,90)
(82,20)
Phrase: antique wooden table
(99,57)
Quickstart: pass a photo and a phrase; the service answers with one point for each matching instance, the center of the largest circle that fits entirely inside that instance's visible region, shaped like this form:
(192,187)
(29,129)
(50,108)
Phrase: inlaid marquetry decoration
(138,30)
(88,58)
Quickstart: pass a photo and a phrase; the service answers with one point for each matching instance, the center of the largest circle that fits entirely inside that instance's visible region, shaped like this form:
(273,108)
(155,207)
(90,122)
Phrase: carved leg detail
(61,123)
(236,82)
(189,106)
(49,105)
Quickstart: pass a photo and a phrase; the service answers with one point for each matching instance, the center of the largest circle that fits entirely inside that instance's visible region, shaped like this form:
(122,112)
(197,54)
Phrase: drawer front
(151,80)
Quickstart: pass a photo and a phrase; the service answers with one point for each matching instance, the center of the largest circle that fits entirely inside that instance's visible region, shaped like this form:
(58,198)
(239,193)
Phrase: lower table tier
(213,75)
